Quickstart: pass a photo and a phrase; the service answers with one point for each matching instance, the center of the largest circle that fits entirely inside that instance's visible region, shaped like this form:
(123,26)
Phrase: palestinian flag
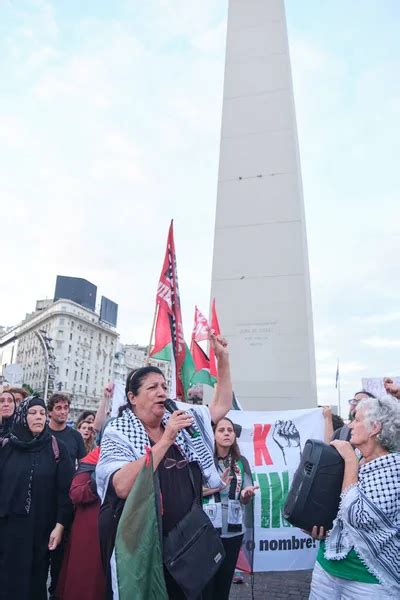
(216,330)
(201,361)
(138,555)
(169,341)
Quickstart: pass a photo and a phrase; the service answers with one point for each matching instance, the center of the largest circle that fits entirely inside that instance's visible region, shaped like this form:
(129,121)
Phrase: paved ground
(282,585)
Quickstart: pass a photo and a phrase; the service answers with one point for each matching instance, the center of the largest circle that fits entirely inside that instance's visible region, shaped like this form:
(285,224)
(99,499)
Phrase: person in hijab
(35,477)
(7,410)
(82,573)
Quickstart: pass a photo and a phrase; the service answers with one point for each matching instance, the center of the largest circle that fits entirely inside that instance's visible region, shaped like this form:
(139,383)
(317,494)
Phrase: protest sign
(374,385)
(272,443)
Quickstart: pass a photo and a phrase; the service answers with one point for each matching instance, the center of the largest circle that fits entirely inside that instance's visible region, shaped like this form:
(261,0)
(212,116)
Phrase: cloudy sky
(109,126)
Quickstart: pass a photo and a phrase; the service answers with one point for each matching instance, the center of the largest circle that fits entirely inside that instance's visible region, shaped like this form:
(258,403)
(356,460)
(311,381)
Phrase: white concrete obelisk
(260,276)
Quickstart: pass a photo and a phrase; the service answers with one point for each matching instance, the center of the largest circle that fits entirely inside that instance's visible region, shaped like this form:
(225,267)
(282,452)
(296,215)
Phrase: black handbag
(193,551)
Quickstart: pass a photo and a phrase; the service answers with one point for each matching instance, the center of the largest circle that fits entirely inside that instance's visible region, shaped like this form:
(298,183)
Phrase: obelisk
(260,275)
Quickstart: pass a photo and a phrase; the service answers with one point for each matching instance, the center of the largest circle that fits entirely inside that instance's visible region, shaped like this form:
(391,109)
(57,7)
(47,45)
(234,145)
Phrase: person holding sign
(224,506)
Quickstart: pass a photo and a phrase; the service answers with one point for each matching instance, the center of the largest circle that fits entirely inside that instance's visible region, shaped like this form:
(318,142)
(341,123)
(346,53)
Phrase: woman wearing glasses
(361,555)
(182,463)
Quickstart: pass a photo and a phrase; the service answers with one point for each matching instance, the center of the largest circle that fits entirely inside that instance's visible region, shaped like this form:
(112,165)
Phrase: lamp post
(49,356)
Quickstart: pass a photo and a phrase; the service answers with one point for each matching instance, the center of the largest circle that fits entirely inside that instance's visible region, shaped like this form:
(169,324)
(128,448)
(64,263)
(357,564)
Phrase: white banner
(272,443)
(375,386)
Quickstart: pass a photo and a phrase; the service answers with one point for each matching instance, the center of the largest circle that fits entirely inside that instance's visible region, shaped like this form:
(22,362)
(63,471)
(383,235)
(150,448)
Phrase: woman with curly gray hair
(361,555)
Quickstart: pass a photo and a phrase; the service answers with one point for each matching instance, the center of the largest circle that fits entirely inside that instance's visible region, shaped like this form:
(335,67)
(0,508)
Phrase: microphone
(171,407)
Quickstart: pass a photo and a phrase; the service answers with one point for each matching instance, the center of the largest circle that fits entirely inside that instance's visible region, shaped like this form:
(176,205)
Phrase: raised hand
(220,346)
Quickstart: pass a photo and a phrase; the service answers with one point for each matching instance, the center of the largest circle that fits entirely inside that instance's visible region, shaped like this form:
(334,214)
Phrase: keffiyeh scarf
(369,520)
(125,440)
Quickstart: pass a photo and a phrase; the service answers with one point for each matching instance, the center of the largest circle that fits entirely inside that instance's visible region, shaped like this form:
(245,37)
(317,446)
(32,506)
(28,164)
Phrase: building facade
(81,351)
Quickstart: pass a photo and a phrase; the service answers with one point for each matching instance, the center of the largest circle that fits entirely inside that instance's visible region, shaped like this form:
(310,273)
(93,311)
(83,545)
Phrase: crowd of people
(63,490)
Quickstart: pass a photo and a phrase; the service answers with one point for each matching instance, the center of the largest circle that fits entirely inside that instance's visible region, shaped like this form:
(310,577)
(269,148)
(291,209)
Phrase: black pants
(219,586)
(56,560)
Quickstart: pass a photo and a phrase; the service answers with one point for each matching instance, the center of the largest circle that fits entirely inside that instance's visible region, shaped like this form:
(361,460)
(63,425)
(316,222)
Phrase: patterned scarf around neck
(369,520)
(126,440)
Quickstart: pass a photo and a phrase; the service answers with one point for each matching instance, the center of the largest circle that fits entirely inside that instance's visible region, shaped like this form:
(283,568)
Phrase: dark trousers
(219,586)
(56,559)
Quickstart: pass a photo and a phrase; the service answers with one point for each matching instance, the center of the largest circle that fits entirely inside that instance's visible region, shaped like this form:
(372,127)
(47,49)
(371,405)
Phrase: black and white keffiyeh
(125,440)
(369,520)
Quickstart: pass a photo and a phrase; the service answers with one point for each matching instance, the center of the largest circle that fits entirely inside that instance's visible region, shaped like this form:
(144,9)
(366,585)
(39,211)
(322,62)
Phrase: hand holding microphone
(186,418)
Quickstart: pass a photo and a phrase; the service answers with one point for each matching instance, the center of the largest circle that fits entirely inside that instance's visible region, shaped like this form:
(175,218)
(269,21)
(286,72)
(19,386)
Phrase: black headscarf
(7,422)
(20,434)
(21,452)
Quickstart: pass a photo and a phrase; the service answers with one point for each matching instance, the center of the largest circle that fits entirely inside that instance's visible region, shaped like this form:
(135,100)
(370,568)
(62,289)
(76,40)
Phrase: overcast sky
(109,126)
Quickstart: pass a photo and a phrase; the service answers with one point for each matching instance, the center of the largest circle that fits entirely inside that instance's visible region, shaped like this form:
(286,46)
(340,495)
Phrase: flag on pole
(138,555)
(201,361)
(169,341)
(337,374)
(215,328)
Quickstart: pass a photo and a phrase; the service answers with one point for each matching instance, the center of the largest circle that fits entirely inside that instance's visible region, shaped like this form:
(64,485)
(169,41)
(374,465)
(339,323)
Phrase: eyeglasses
(353,401)
(170,463)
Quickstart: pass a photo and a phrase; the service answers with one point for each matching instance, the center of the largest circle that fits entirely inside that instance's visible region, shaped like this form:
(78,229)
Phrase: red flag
(215,328)
(169,327)
(201,328)
(200,358)
(199,333)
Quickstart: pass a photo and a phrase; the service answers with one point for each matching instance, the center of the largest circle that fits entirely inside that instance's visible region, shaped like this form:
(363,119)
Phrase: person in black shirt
(58,407)
(35,477)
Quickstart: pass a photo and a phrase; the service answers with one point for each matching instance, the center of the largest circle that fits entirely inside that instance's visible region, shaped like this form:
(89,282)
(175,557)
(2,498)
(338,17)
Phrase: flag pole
(151,335)
(338,387)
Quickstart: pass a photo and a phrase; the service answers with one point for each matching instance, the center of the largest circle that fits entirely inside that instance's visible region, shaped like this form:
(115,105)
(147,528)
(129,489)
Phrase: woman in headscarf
(225,506)
(82,573)
(35,477)
(7,410)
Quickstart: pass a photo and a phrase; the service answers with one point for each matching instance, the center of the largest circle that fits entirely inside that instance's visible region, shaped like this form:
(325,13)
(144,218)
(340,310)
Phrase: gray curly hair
(386,412)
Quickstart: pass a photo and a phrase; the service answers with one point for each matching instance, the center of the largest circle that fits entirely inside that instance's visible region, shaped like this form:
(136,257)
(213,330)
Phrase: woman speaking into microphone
(182,462)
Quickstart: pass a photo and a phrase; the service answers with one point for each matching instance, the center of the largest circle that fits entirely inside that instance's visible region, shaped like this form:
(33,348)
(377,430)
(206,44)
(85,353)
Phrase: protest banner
(272,443)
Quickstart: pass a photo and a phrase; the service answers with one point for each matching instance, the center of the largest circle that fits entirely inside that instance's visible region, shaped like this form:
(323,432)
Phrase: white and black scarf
(369,520)
(126,440)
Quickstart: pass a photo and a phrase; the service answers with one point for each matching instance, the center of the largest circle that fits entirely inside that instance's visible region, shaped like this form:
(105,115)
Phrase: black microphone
(171,407)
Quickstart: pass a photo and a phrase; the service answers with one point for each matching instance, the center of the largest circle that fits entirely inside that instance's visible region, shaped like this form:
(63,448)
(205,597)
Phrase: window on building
(70,336)
(66,372)
(75,375)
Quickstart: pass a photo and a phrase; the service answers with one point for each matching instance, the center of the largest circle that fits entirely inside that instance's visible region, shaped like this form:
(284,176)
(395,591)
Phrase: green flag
(138,555)
(187,370)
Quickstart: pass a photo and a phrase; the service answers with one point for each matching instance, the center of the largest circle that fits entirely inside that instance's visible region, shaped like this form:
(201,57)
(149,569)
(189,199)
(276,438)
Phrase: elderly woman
(35,476)
(361,555)
(181,462)
(7,410)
